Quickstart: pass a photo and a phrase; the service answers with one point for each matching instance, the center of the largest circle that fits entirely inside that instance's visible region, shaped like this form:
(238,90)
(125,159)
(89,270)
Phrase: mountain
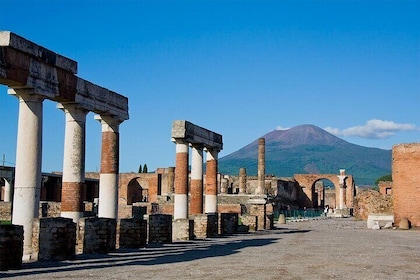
(309,149)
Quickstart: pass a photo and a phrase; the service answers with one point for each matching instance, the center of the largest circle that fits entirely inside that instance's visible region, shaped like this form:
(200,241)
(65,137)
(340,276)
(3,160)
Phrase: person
(326,210)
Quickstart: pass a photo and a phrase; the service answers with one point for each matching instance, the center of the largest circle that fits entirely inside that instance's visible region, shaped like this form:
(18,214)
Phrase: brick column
(261,167)
(196,189)
(73,162)
(181,181)
(28,164)
(108,179)
(211,181)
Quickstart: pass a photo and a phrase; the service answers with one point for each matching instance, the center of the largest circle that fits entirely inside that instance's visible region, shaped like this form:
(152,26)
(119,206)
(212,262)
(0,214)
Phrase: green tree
(145,168)
(387,177)
(139,169)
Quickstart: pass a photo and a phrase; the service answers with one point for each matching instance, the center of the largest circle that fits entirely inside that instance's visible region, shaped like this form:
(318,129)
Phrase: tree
(139,169)
(145,168)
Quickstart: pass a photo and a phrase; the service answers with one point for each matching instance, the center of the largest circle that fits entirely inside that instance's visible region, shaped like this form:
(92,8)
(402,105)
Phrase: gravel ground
(313,249)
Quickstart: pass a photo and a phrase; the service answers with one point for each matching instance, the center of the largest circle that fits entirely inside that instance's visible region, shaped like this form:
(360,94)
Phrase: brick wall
(406,182)
(5,211)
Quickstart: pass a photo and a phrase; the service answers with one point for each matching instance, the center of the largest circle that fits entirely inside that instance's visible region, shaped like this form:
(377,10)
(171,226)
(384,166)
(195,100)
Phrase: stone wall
(160,228)
(96,235)
(11,247)
(54,239)
(368,202)
(406,182)
(5,211)
(131,233)
(385,187)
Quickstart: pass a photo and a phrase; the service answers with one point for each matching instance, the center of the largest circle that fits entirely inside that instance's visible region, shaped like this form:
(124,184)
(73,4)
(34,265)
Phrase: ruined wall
(369,202)
(406,182)
(5,211)
(385,187)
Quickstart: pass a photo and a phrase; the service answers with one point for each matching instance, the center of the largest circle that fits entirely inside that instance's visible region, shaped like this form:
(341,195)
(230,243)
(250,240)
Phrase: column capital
(109,123)
(27,94)
(75,110)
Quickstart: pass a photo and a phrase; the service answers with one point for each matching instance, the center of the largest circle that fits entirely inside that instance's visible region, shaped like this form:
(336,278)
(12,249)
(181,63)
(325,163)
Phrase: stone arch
(307,183)
(137,190)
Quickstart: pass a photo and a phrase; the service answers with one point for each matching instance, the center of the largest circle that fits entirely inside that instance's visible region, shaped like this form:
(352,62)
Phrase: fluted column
(196,189)
(261,167)
(181,181)
(108,179)
(73,162)
(211,181)
(28,164)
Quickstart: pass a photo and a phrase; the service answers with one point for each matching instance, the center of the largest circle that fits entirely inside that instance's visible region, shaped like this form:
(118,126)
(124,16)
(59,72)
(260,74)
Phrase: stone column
(8,190)
(261,167)
(341,180)
(211,181)
(28,164)
(196,188)
(110,159)
(73,185)
(242,180)
(181,181)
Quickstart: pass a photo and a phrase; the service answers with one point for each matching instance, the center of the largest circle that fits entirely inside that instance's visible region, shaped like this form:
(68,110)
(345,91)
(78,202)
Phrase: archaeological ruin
(55,216)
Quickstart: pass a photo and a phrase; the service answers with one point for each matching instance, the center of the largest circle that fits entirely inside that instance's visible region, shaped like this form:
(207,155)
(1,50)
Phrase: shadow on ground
(154,254)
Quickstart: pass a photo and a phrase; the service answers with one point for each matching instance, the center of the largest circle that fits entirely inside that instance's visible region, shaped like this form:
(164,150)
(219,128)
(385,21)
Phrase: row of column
(196,184)
(29,160)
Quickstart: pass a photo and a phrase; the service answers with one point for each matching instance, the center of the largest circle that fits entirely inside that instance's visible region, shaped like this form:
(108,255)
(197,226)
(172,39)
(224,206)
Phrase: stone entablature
(195,134)
(53,76)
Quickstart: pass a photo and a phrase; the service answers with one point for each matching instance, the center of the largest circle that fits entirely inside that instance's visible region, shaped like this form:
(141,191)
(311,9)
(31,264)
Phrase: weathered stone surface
(195,134)
(96,235)
(11,247)
(54,238)
(372,202)
(132,233)
(160,228)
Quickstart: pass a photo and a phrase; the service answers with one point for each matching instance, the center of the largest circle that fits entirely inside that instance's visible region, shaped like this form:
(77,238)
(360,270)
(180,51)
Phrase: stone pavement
(313,249)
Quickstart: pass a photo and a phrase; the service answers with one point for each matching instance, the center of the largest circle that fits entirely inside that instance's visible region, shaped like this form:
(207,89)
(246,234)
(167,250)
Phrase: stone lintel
(11,40)
(195,134)
(101,100)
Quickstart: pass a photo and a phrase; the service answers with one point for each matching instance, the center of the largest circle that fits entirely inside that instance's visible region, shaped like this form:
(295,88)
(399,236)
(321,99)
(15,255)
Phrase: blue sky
(239,68)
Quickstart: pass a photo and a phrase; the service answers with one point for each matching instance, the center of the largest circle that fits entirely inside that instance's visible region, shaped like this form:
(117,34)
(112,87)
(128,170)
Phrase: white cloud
(282,128)
(373,129)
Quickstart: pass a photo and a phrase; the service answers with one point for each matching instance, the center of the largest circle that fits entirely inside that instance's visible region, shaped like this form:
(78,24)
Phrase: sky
(238,68)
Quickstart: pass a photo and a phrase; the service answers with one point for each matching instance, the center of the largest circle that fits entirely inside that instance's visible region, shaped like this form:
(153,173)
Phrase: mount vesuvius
(310,149)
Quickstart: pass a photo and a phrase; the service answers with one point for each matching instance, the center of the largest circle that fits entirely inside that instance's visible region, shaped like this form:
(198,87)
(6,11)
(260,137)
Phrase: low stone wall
(11,247)
(131,233)
(96,235)
(54,239)
(160,228)
(205,225)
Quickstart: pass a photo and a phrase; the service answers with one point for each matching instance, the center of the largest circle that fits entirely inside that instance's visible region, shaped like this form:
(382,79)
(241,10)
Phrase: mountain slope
(310,149)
